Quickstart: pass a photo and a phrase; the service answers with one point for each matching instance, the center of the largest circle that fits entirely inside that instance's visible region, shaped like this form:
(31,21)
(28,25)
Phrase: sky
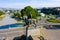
(32,3)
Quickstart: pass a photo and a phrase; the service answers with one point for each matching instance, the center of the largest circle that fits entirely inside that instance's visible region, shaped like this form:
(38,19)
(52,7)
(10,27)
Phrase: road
(49,23)
(7,20)
(52,34)
(42,21)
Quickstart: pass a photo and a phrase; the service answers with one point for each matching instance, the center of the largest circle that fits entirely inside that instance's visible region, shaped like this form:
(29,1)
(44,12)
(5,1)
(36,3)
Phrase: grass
(53,20)
(1,17)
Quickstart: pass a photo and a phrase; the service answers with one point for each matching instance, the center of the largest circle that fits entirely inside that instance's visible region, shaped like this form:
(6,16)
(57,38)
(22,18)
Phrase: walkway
(51,34)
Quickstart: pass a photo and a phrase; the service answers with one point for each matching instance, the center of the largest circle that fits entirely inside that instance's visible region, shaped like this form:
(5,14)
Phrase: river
(7,20)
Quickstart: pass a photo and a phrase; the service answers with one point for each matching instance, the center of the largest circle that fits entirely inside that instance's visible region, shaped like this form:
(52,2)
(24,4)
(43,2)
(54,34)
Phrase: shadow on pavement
(41,38)
(30,38)
(23,37)
(52,27)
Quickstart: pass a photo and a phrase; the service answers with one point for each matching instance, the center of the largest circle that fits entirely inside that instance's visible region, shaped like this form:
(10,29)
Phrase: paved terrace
(12,32)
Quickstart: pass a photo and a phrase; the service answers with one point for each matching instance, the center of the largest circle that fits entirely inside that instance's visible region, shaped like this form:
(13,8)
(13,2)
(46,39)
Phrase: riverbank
(53,20)
(1,17)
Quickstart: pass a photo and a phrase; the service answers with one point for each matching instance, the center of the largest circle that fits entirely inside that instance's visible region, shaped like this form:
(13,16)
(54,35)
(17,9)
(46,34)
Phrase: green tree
(17,14)
(34,13)
(29,10)
(1,12)
(23,12)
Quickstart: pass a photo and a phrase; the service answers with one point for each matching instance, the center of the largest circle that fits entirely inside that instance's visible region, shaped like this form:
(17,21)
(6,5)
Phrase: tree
(34,13)
(28,11)
(1,12)
(17,14)
(23,12)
